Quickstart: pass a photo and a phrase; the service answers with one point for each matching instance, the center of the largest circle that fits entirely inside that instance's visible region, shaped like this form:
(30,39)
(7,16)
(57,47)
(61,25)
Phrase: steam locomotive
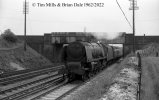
(85,59)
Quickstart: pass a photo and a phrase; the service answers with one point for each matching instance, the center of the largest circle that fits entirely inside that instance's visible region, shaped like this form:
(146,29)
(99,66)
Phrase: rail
(31,89)
(62,95)
(58,92)
(12,77)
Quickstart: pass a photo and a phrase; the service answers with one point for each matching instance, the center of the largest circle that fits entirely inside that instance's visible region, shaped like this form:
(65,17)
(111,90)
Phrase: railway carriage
(118,52)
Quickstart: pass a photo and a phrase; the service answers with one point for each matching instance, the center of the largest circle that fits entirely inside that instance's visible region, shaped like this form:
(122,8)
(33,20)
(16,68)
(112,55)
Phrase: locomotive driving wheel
(85,76)
(91,74)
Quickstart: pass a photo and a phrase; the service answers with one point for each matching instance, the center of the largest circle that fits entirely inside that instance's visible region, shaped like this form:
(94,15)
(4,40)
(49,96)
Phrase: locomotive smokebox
(75,51)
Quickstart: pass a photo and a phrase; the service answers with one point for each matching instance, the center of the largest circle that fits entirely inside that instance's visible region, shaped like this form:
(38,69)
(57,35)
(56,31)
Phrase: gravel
(125,84)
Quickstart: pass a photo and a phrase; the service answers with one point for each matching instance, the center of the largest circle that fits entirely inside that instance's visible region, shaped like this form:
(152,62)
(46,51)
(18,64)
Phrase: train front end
(76,54)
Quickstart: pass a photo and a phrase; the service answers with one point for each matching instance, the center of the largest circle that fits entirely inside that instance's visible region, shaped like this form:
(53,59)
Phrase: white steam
(107,36)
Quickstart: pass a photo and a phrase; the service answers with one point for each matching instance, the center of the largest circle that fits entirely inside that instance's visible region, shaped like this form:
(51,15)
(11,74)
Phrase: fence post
(140,71)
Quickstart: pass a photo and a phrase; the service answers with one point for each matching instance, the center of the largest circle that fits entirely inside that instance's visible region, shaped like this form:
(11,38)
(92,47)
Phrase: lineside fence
(140,73)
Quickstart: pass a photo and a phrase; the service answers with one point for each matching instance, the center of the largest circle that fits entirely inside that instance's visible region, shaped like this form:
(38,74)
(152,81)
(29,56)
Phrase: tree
(9,36)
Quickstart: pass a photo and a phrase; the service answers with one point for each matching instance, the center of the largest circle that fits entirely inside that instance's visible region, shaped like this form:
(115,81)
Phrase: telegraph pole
(25,11)
(133,27)
(133,7)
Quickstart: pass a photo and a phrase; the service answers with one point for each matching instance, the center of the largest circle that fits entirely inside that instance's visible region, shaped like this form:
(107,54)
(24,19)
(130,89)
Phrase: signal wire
(123,13)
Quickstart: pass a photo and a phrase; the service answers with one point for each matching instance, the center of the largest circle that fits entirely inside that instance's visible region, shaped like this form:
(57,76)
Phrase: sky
(108,18)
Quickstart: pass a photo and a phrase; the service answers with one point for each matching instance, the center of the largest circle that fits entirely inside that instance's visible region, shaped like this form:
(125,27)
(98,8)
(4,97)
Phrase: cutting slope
(13,57)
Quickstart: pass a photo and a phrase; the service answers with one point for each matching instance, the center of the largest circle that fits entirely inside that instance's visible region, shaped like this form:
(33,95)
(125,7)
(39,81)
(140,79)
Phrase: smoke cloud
(107,36)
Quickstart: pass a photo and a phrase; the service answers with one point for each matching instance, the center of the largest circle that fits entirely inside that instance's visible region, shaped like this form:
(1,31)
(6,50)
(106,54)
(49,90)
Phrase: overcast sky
(109,18)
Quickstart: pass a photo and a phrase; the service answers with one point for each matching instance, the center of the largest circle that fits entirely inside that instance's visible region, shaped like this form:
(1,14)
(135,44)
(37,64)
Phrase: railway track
(60,91)
(23,91)
(48,86)
(22,75)
(27,87)
(57,92)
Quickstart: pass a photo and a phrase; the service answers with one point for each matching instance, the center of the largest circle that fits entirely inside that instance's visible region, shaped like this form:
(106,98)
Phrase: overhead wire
(124,14)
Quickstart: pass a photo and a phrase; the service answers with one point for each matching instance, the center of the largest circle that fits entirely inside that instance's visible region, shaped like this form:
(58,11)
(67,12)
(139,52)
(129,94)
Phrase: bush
(9,36)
